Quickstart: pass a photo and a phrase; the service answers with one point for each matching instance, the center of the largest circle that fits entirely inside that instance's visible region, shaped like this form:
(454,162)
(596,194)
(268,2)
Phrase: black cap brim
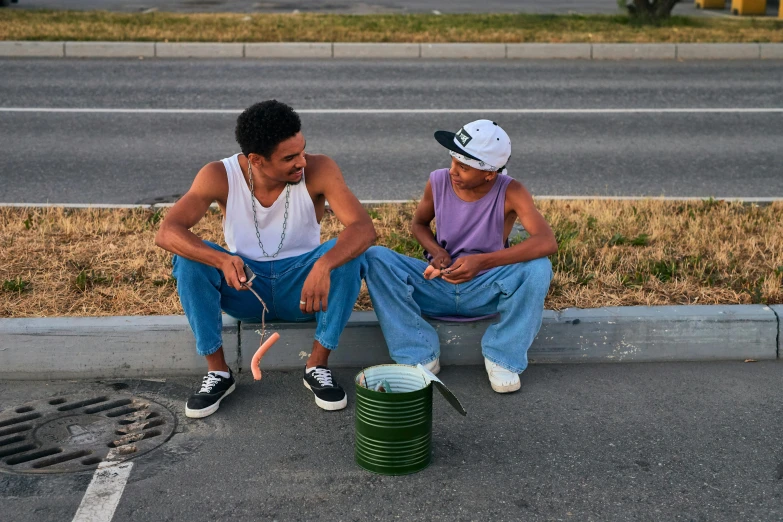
(446,139)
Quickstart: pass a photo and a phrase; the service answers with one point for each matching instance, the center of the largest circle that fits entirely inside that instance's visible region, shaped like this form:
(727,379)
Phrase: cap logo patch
(463,137)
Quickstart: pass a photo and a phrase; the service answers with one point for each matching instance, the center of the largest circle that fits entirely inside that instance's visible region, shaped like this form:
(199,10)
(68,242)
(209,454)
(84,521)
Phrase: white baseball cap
(482,144)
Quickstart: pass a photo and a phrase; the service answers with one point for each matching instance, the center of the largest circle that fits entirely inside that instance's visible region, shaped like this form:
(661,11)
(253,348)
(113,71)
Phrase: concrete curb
(382,50)
(494,51)
(199,50)
(289,50)
(771,52)
(117,347)
(109,50)
(539,51)
(634,51)
(30,49)
(87,347)
(491,51)
(740,51)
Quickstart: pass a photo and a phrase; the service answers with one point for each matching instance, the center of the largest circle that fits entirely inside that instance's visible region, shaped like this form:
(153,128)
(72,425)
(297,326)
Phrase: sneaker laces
(323,376)
(209,381)
(495,370)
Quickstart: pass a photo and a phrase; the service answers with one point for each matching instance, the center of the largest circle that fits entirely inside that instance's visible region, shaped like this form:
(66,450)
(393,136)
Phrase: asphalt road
(687,441)
(337,6)
(132,157)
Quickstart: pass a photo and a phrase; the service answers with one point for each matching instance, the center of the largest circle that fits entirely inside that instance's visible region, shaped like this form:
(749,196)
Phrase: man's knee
(539,270)
(379,264)
(375,253)
(378,256)
(535,274)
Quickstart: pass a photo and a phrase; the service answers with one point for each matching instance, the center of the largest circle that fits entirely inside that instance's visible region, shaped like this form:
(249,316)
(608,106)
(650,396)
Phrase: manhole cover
(75,434)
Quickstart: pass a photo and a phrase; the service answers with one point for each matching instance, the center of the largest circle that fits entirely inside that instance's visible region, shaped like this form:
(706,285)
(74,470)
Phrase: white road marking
(665,198)
(72,205)
(104,492)
(682,110)
(400,201)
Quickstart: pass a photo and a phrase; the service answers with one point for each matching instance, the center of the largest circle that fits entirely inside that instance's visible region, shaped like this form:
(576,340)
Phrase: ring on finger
(302,303)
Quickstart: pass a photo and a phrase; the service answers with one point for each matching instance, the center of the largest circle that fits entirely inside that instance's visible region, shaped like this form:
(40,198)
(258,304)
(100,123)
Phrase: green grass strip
(425,28)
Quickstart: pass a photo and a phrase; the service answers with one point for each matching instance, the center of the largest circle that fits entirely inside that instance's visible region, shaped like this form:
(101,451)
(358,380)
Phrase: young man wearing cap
(472,270)
(272,198)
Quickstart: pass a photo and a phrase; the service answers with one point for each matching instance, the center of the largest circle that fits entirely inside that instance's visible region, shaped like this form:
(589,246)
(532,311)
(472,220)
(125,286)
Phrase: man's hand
(233,271)
(440,259)
(315,292)
(463,270)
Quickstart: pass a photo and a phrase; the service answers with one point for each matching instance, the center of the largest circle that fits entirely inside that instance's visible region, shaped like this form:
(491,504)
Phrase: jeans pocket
(501,285)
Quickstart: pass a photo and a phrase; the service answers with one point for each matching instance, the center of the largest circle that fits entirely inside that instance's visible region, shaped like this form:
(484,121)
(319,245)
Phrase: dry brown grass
(665,253)
(170,27)
(57,262)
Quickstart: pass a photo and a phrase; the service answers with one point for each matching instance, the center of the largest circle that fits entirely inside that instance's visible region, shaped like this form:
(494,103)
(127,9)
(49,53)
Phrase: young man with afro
(272,197)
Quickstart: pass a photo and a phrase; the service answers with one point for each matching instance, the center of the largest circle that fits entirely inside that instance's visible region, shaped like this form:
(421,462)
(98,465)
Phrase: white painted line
(401,201)
(384,201)
(681,110)
(104,492)
(664,198)
(71,205)
(159,205)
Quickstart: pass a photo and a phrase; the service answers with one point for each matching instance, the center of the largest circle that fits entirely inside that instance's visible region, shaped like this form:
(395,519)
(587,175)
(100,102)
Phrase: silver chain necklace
(255,219)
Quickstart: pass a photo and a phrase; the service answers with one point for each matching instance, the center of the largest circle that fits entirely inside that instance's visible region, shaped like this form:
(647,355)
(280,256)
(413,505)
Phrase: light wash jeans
(203,292)
(400,295)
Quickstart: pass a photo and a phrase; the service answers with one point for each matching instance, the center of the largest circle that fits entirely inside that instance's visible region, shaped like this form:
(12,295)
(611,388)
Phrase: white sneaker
(433,366)
(502,380)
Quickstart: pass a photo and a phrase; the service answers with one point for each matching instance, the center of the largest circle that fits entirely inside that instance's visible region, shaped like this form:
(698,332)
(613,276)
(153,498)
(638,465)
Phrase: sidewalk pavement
(675,441)
(330,50)
(150,346)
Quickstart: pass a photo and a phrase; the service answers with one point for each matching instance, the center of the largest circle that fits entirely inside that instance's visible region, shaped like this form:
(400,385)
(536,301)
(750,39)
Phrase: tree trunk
(643,7)
(654,9)
(663,9)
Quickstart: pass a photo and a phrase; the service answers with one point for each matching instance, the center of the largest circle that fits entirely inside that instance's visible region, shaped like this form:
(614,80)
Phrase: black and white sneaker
(328,394)
(206,401)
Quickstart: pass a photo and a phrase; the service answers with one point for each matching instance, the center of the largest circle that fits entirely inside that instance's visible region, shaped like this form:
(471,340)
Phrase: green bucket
(394,430)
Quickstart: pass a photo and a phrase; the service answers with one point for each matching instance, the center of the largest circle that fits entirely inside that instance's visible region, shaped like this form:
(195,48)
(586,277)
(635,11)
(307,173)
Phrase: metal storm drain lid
(75,434)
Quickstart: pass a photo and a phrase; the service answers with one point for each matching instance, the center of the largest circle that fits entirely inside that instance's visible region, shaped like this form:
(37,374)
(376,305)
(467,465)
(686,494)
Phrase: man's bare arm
(359,233)
(175,236)
(421,230)
(541,242)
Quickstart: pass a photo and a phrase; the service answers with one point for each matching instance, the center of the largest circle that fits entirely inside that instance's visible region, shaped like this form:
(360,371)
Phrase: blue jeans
(203,292)
(400,295)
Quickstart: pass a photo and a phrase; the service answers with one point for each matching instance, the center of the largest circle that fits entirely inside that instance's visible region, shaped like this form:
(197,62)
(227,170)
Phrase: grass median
(59,262)
(425,28)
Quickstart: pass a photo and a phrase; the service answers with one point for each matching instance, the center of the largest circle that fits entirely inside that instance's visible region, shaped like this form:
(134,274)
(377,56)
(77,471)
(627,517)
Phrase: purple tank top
(464,228)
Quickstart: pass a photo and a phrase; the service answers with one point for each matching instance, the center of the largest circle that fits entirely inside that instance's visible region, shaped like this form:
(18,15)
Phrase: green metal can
(394,430)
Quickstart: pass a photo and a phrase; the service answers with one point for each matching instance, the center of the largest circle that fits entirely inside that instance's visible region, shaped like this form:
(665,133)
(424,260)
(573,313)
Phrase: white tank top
(302,233)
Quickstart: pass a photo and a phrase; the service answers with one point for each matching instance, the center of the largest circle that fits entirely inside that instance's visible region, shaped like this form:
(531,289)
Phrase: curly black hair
(262,126)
